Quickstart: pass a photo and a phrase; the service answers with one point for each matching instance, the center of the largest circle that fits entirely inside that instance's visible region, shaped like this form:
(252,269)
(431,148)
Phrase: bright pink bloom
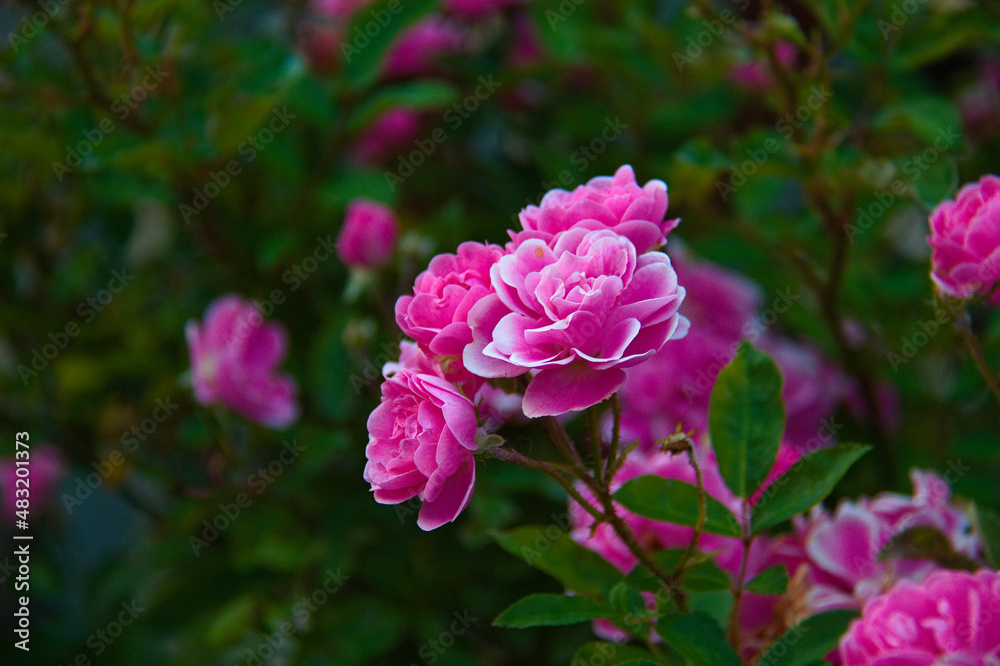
(368,236)
(422,438)
(606,202)
(965,242)
(437,315)
(390,133)
(834,557)
(234,357)
(45,468)
(950,619)
(577,309)
(416,51)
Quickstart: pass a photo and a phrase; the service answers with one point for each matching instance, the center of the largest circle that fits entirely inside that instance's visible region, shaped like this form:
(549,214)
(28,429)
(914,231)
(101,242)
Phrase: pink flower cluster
(568,304)
(674,388)
(833,557)
(234,356)
(951,618)
(965,242)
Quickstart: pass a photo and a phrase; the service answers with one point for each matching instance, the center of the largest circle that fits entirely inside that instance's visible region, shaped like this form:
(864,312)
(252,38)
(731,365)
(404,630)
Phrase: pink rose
(437,314)
(836,555)
(965,242)
(234,356)
(951,619)
(576,310)
(368,236)
(606,202)
(422,438)
(417,49)
(44,470)
(390,133)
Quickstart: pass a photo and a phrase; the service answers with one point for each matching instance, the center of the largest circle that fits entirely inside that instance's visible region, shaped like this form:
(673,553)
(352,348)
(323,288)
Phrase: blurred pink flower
(389,133)
(813,387)
(755,75)
(45,469)
(980,102)
(437,314)
(417,49)
(368,237)
(833,558)
(965,242)
(422,438)
(577,309)
(605,202)
(234,358)
(526,48)
(674,387)
(756,611)
(950,619)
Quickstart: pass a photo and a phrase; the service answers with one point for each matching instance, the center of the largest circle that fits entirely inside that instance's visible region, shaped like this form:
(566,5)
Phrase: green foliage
(772,580)
(747,419)
(808,481)
(550,610)
(675,501)
(809,641)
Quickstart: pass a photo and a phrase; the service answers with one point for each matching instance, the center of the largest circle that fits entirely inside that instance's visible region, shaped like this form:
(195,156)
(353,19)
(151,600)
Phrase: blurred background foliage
(211,76)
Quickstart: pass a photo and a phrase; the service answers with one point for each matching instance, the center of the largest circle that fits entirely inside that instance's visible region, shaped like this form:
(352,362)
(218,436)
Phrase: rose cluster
(576,296)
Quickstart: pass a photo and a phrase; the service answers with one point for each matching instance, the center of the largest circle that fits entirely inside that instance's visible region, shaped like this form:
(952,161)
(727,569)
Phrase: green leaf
(698,639)
(613,654)
(808,481)
(674,501)
(746,419)
(550,610)
(810,641)
(927,543)
(363,53)
(772,580)
(988,526)
(554,552)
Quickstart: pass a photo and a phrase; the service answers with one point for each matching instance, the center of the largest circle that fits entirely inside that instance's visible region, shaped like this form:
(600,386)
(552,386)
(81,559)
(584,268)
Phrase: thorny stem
(960,320)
